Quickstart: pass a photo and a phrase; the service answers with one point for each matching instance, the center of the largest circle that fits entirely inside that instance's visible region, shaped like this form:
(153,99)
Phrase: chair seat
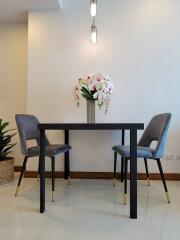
(142,152)
(51,150)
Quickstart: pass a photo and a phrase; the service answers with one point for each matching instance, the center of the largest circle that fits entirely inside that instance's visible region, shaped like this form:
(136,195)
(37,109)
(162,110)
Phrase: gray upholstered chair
(28,130)
(157,131)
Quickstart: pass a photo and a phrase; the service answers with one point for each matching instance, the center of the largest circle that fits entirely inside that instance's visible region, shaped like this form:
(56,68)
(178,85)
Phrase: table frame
(132,127)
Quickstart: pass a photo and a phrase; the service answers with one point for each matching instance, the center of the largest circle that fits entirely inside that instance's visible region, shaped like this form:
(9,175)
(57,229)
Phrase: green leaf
(6,149)
(13,129)
(87,97)
(2,126)
(86,93)
(12,135)
(5,141)
(85,90)
(3,155)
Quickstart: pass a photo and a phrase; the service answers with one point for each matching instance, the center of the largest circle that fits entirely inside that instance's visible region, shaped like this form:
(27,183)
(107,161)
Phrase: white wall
(13,75)
(138,46)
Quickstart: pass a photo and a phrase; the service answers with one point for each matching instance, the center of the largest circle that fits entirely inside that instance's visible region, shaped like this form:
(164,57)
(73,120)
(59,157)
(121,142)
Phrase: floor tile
(88,210)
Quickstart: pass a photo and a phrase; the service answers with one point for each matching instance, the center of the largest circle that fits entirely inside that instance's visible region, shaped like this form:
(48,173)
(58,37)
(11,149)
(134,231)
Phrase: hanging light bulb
(93,8)
(93,33)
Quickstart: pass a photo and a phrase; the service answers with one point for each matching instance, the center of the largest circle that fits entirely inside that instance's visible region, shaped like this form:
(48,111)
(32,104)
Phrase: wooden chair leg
(53,176)
(163,179)
(115,164)
(147,172)
(21,175)
(125,180)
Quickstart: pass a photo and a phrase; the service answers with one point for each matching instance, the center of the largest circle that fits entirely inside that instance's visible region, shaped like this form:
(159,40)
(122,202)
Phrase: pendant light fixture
(93,11)
(93,8)
(93,33)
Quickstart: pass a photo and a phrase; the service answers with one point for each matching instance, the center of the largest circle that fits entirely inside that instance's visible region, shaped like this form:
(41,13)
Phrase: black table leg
(122,158)
(133,174)
(66,155)
(42,171)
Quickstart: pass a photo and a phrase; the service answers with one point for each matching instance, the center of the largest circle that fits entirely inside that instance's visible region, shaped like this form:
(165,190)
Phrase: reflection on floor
(88,210)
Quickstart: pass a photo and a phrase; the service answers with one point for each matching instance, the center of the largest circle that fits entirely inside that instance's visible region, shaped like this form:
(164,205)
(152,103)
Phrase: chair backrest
(156,131)
(28,130)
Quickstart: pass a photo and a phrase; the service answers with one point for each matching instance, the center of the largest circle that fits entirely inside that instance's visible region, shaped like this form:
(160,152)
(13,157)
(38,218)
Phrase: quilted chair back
(28,130)
(156,130)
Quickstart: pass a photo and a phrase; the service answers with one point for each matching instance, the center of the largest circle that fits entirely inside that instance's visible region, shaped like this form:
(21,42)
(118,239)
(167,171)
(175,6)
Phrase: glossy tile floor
(88,210)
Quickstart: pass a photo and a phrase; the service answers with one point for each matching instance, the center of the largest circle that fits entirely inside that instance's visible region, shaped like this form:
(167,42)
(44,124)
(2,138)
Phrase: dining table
(67,127)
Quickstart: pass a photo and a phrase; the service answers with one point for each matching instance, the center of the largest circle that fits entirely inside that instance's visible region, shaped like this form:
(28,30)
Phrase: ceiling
(16,11)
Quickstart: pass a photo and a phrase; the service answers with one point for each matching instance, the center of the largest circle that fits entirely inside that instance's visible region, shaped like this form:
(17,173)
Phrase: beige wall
(138,46)
(13,75)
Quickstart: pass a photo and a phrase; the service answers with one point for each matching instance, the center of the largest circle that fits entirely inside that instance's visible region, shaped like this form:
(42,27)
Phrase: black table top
(89,126)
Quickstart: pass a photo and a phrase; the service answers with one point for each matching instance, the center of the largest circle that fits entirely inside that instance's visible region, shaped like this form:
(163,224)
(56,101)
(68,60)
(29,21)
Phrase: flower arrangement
(95,87)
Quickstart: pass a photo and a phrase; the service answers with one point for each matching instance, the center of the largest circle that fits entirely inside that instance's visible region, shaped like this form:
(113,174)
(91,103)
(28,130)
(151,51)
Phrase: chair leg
(147,172)
(122,168)
(38,171)
(125,180)
(69,180)
(69,177)
(163,179)
(21,175)
(115,164)
(53,176)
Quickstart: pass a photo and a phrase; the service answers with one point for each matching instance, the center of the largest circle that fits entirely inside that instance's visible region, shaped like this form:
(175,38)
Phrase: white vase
(90,111)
